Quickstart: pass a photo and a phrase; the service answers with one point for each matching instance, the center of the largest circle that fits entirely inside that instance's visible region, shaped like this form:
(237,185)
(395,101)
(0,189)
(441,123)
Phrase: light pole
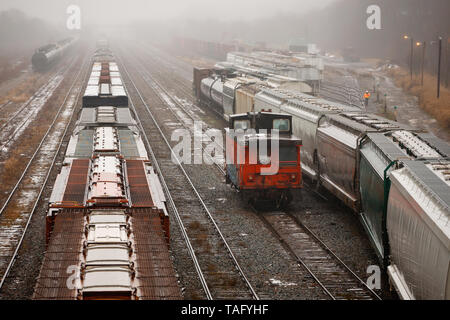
(424,45)
(411,54)
(439,68)
(439,65)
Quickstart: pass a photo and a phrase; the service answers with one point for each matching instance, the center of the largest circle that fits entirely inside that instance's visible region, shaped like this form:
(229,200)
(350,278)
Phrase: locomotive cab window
(288,153)
(281,125)
(241,124)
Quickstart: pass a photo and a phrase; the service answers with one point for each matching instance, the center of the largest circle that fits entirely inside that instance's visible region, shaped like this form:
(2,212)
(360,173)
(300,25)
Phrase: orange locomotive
(262,163)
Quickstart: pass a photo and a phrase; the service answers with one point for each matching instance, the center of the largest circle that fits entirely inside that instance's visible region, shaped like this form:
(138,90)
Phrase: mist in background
(332,24)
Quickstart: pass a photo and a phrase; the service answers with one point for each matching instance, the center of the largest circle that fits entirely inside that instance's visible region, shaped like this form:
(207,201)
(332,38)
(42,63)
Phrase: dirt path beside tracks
(387,98)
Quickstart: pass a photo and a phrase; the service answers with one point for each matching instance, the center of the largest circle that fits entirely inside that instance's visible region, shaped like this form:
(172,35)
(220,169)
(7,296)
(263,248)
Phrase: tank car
(46,56)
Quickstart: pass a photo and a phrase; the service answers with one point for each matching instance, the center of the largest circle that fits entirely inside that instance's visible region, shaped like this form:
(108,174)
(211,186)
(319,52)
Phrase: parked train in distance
(394,177)
(45,57)
(260,175)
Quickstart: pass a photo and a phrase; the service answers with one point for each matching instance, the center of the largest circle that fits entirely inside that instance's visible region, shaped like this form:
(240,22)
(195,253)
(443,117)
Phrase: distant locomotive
(46,56)
(269,174)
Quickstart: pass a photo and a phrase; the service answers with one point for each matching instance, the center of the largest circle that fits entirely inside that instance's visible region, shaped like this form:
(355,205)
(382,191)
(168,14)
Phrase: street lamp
(424,45)
(411,54)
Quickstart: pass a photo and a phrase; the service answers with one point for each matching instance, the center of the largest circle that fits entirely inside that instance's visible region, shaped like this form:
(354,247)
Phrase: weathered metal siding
(372,202)
(84,144)
(245,99)
(419,231)
(63,251)
(128,147)
(139,188)
(154,269)
(76,184)
(377,152)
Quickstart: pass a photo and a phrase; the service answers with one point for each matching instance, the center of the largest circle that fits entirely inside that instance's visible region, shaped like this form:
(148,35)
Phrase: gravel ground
(272,271)
(22,278)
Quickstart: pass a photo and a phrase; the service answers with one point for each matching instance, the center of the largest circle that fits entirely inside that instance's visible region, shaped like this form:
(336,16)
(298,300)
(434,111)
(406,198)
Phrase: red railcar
(263,157)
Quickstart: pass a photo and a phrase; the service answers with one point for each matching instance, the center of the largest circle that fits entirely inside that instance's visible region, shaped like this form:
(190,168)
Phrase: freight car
(105,87)
(107,221)
(418,225)
(229,91)
(379,155)
(254,166)
(354,155)
(306,111)
(46,56)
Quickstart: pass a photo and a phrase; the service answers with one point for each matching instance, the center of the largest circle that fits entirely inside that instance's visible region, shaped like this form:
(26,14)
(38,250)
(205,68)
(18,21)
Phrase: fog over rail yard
(239,150)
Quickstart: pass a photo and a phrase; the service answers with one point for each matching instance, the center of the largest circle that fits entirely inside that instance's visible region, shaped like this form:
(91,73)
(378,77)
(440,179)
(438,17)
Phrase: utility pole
(410,55)
(423,59)
(411,58)
(439,69)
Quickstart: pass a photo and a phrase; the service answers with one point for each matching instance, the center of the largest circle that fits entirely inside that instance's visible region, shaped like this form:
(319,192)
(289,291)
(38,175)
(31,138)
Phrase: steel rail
(19,245)
(348,89)
(27,103)
(169,196)
(334,255)
(209,215)
(180,105)
(289,249)
(30,161)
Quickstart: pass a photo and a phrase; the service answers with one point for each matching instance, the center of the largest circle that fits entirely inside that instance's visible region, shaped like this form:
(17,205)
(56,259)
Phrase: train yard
(221,247)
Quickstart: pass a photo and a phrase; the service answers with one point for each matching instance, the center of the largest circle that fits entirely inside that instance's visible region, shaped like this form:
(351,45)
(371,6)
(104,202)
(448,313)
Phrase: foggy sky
(120,11)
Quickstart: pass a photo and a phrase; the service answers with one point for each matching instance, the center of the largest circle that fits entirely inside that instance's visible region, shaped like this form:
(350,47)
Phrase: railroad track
(21,204)
(343,94)
(5,104)
(218,270)
(178,109)
(184,87)
(23,116)
(335,278)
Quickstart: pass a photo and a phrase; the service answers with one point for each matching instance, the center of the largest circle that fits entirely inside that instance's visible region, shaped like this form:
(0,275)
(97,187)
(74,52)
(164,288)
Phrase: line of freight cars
(107,221)
(231,91)
(48,55)
(396,178)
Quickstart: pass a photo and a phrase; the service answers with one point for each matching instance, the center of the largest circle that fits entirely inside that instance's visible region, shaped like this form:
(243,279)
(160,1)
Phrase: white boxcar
(306,111)
(338,142)
(419,229)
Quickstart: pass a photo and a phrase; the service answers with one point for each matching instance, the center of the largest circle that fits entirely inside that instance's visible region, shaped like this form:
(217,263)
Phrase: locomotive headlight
(264,160)
(250,178)
(293,176)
